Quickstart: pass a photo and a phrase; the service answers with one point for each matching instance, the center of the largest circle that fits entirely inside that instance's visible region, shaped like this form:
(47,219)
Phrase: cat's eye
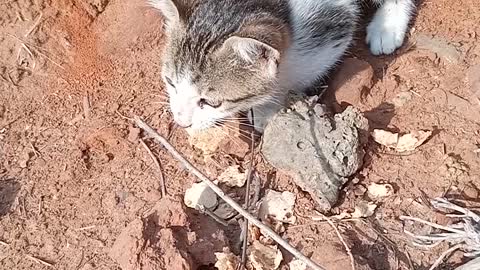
(169,81)
(214,104)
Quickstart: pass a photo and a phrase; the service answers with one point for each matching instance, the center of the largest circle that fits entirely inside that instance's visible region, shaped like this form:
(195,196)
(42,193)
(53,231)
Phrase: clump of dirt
(320,151)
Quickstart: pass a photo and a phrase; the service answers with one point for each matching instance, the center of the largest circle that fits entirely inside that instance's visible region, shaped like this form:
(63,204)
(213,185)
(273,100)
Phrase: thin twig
(209,213)
(159,167)
(39,261)
(339,235)
(444,254)
(247,197)
(86,228)
(431,224)
(4,244)
(86,106)
(267,230)
(37,22)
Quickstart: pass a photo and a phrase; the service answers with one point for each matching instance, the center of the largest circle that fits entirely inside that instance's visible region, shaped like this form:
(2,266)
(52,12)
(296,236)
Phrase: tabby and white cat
(227,56)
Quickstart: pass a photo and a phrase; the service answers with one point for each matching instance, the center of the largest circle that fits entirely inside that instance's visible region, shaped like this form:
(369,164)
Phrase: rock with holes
(319,150)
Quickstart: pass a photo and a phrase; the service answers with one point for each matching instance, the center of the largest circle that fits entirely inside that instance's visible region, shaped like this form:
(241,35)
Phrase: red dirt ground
(78,191)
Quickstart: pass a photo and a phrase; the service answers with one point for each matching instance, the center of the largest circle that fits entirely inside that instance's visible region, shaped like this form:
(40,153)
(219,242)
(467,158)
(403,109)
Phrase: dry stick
(267,230)
(349,252)
(247,198)
(159,167)
(445,254)
(39,261)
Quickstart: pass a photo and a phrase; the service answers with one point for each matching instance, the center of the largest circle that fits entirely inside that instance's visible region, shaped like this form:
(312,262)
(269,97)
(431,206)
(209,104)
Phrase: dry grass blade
(443,255)
(163,189)
(464,235)
(268,231)
(39,261)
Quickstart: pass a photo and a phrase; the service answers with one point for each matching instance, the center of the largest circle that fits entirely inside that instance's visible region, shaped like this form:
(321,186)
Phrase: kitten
(227,56)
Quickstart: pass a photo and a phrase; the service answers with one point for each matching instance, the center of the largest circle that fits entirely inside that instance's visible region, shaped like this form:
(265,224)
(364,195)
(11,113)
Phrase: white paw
(384,37)
(387,30)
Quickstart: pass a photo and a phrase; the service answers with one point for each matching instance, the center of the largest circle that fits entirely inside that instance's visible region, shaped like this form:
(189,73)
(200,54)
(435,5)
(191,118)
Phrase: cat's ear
(255,53)
(174,11)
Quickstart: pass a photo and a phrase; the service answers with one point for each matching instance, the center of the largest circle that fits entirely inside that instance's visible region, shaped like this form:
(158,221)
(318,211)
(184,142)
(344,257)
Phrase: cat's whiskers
(237,132)
(232,138)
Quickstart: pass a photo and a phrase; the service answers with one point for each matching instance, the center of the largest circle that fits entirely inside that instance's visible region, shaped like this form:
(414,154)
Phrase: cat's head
(218,64)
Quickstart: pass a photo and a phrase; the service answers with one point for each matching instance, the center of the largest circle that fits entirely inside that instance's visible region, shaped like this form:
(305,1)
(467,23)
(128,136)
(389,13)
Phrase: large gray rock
(320,151)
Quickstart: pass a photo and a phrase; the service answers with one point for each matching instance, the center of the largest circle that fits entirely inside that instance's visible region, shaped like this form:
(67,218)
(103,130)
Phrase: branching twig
(270,233)
(339,235)
(159,167)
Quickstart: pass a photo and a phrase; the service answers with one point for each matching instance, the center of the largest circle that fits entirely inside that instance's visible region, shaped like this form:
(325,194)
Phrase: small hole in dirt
(110,156)
(345,160)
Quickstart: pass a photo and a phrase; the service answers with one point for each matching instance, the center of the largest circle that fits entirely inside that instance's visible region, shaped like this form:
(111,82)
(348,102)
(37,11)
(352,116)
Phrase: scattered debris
(401,143)
(319,151)
(464,234)
(226,260)
(265,257)
(363,209)
(379,191)
(279,206)
(233,177)
(200,195)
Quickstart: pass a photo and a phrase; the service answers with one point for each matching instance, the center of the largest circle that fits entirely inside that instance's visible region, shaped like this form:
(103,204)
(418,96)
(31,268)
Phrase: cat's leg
(387,30)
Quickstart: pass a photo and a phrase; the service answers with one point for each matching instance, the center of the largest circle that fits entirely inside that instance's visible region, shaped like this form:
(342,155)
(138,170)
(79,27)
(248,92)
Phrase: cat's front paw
(387,30)
(385,34)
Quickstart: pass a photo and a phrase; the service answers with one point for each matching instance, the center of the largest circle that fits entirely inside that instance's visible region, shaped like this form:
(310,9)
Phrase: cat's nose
(182,121)
(182,125)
